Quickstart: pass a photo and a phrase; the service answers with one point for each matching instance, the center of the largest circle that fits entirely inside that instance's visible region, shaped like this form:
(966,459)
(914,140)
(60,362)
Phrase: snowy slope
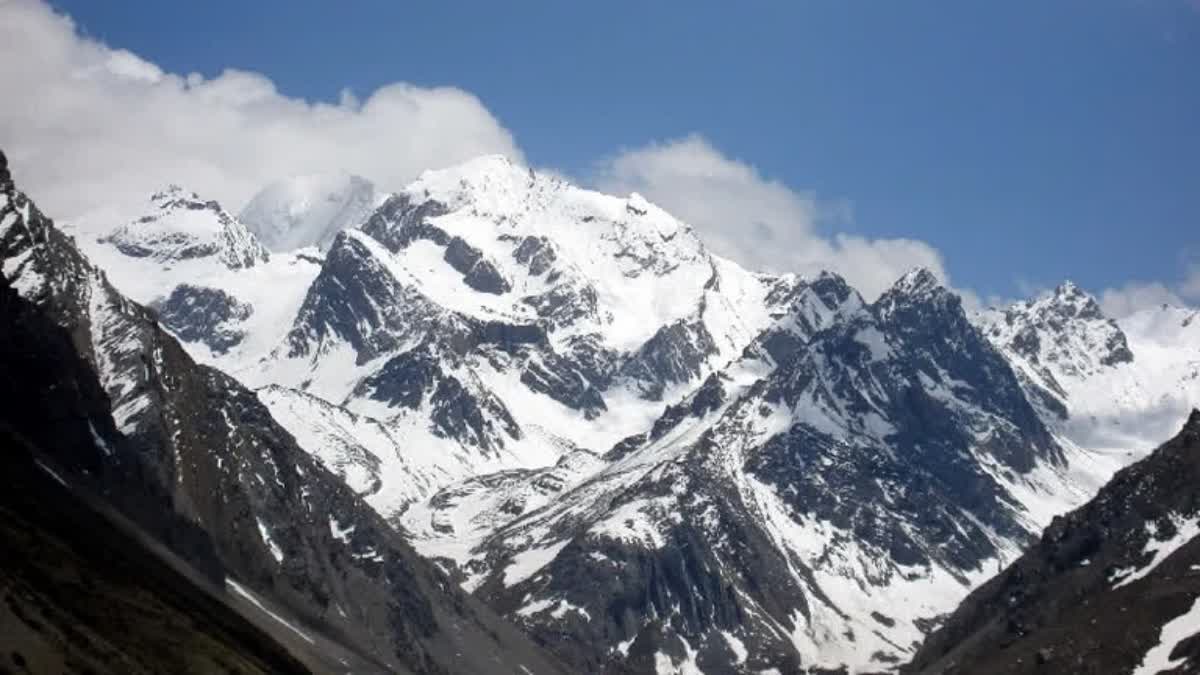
(215,286)
(310,210)
(639,268)
(1113,390)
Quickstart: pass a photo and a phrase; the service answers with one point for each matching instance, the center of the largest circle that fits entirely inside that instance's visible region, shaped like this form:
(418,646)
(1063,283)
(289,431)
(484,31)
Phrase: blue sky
(1026,141)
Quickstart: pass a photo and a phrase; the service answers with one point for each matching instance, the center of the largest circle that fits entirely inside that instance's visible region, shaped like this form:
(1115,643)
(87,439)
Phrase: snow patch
(1158,658)
(242,591)
(527,563)
(276,552)
(1158,550)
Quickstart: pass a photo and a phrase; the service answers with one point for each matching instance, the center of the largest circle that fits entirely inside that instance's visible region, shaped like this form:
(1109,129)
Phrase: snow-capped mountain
(648,456)
(1107,387)
(495,318)
(309,210)
(182,227)
(817,504)
(214,285)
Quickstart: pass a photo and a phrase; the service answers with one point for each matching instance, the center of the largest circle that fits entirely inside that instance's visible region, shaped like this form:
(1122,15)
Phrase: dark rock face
(562,305)
(715,573)
(278,522)
(206,315)
(674,355)
(405,380)
(84,591)
(478,272)
(463,411)
(1091,596)
(398,222)
(536,252)
(458,413)
(903,486)
(557,378)
(356,299)
(507,336)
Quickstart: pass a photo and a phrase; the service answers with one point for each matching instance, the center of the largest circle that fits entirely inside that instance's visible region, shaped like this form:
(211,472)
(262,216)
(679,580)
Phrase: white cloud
(91,130)
(1135,295)
(759,222)
(1190,287)
(85,125)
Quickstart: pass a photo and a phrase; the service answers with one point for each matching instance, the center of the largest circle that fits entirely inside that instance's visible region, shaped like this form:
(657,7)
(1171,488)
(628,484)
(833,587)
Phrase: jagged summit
(1062,334)
(1073,301)
(1111,386)
(181,226)
(917,280)
(919,293)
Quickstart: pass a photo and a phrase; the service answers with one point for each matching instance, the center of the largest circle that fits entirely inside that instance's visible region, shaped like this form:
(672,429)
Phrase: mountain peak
(1193,421)
(479,168)
(183,226)
(917,281)
(1068,289)
(171,190)
(175,196)
(491,184)
(827,278)
(1074,301)
(309,210)
(1063,336)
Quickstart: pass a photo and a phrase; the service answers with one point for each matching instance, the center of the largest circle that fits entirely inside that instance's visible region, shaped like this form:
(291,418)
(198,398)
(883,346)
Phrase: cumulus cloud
(86,125)
(757,221)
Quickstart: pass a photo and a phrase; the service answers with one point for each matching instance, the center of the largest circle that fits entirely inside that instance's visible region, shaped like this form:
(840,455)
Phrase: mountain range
(496,409)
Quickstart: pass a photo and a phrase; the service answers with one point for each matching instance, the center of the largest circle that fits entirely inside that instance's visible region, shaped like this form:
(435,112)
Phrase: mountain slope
(80,594)
(279,523)
(1111,587)
(84,588)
